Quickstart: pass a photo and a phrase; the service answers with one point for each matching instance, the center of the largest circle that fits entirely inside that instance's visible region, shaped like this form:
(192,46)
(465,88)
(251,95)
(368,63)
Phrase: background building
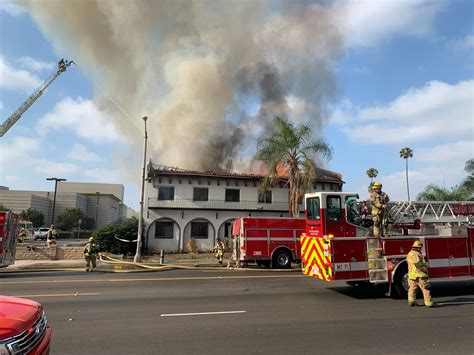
(183,204)
(102,202)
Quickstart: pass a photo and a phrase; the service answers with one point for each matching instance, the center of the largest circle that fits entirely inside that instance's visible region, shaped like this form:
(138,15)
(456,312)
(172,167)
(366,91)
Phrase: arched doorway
(202,231)
(163,234)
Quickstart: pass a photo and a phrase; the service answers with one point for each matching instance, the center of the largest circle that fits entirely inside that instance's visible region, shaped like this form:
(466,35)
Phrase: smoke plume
(209,74)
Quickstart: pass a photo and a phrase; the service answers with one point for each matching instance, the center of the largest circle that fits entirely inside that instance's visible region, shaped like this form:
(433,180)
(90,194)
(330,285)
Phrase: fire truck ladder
(376,263)
(15,116)
(432,211)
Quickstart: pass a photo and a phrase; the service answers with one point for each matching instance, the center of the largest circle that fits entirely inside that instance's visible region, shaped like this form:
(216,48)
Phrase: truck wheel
(401,282)
(281,260)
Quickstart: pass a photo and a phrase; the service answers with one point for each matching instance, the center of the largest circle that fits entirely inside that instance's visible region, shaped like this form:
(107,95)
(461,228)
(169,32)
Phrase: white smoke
(198,69)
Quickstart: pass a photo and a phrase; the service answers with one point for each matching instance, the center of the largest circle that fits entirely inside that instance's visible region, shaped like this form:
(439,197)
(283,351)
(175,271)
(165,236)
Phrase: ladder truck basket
(316,257)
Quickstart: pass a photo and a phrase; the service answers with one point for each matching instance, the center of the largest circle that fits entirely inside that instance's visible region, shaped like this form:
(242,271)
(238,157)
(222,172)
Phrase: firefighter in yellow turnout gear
(219,249)
(378,205)
(52,236)
(418,275)
(91,250)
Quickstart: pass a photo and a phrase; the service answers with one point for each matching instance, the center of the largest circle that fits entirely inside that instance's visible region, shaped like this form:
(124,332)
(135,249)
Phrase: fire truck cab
(339,245)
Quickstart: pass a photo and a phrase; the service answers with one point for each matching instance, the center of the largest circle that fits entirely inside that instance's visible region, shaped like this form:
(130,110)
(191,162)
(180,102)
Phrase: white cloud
(368,22)
(21,155)
(82,117)
(102,175)
(11,8)
(35,64)
(10,78)
(456,153)
(437,110)
(82,153)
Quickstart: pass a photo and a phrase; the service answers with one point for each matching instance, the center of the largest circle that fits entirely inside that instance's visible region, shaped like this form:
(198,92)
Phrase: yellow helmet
(91,239)
(376,185)
(417,244)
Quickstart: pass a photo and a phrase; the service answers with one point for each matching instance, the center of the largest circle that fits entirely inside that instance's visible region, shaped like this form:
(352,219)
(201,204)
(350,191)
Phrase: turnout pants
(424,284)
(90,260)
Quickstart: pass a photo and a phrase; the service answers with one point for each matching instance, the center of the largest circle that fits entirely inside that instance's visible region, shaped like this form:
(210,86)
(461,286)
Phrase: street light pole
(55,189)
(138,254)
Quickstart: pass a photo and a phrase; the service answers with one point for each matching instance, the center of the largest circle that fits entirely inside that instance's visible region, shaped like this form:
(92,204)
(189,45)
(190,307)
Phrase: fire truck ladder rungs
(376,263)
(430,211)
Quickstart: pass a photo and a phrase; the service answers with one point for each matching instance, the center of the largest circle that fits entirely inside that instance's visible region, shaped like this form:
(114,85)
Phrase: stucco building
(183,204)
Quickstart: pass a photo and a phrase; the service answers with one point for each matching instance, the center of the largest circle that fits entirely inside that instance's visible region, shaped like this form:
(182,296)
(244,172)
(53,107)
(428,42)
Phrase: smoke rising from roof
(208,74)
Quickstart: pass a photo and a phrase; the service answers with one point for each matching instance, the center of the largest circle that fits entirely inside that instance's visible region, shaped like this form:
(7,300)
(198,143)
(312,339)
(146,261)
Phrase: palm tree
(372,173)
(291,149)
(406,153)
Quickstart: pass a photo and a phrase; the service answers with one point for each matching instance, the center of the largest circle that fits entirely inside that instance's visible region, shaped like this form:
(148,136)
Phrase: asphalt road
(240,312)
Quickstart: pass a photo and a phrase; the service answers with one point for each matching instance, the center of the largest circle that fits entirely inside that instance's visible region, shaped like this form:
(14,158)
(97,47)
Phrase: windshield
(351,209)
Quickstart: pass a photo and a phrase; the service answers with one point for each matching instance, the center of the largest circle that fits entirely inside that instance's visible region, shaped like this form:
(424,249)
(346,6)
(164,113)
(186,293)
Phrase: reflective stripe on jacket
(417,266)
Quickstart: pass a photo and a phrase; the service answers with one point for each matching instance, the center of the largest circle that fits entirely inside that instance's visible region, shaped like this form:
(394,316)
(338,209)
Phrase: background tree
(462,192)
(468,182)
(372,173)
(125,229)
(433,192)
(70,219)
(406,153)
(36,217)
(292,149)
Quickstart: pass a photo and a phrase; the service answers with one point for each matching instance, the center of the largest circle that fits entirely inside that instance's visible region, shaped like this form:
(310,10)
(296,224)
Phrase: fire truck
(338,243)
(271,242)
(8,237)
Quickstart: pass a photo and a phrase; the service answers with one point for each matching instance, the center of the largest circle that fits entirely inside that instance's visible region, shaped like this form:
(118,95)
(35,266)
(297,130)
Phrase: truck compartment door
(316,258)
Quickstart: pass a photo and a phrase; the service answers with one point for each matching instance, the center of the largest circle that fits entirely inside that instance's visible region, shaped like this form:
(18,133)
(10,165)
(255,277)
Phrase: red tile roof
(157,170)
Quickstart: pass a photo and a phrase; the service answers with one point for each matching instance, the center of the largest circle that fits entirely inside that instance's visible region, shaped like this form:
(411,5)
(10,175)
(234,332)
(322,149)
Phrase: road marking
(60,295)
(152,279)
(200,314)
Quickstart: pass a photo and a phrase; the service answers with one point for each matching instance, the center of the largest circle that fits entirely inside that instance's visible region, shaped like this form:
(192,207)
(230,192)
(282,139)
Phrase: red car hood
(17,315)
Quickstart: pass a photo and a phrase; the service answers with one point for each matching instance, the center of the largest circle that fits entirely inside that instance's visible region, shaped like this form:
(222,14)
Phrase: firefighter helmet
(417,244)
(91,239)
(376,185)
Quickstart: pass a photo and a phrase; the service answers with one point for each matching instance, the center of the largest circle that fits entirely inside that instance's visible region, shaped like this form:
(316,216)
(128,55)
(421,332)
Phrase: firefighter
(378,205)
(219,249)
(418,275)
(91,250)
(22,235)
(52,236)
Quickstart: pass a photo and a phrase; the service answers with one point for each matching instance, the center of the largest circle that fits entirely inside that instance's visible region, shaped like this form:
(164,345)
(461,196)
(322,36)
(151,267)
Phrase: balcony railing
(219,205)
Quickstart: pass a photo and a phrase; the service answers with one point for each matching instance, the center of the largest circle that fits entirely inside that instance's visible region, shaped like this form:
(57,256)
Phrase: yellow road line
(152,279)
(60,295)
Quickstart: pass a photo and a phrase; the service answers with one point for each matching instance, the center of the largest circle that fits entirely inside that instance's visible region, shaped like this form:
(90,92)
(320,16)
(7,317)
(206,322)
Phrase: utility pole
(55,189)
(138,254)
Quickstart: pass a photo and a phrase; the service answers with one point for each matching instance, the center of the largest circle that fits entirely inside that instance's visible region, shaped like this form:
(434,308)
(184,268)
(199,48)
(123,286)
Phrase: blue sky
(404,77)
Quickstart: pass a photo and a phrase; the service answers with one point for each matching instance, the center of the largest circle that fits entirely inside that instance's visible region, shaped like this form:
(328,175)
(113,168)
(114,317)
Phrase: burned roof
(161,170)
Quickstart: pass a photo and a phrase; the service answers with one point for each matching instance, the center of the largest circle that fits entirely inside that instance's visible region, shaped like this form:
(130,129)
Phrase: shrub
(125,229)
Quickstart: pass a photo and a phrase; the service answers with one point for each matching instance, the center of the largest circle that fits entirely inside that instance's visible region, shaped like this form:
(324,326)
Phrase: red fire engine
(8,237)
(267,241)
(338,243)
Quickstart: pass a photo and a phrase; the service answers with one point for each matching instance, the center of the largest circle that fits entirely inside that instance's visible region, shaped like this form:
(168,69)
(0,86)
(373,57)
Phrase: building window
(166,193)
(232,195)
(265,196)
(164,229)
(201,194)
(199,230)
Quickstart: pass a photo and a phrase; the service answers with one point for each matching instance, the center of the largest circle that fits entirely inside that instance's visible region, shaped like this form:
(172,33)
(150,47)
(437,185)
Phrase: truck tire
(281,259)
(401,282)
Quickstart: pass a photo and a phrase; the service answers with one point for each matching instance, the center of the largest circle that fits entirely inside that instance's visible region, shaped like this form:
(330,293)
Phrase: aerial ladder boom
(15,116)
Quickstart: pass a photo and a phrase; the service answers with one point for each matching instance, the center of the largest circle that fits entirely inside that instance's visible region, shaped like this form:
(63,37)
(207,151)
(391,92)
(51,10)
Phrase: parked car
(24,328)
(41,233)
